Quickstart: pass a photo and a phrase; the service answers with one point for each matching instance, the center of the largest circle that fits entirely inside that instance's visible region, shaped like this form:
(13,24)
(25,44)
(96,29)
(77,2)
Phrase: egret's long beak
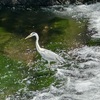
(29,36)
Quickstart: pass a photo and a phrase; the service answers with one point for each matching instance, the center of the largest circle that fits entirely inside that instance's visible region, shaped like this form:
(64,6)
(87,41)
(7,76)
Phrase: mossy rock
(94,42)
(65,33)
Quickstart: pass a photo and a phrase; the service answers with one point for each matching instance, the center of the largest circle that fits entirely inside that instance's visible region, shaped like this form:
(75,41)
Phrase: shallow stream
(72,32)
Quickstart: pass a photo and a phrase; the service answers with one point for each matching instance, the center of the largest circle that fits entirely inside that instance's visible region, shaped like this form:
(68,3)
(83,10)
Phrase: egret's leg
(49,64)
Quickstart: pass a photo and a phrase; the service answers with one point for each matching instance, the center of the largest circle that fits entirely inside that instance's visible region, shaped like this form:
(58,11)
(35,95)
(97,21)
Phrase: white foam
(82,86)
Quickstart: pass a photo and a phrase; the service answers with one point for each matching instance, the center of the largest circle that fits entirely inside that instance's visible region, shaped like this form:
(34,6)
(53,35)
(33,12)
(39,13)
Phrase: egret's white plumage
(46,54)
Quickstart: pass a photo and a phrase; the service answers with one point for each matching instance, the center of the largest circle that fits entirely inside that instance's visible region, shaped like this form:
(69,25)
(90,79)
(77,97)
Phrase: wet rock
(32,3)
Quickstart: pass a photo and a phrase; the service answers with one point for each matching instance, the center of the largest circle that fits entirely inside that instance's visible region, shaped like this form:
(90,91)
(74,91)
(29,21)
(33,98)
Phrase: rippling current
(81,81)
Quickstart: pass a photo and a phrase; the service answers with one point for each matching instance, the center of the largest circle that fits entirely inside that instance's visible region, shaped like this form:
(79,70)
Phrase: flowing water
(79,77)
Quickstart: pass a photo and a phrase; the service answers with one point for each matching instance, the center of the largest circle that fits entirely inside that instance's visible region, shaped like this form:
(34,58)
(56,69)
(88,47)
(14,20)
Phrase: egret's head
(31,35)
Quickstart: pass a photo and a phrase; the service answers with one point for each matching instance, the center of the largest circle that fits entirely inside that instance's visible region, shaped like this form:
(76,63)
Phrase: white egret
(46,54)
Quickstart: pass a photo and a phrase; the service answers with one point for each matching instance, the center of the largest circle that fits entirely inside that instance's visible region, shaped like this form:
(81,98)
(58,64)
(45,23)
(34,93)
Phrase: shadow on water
(55,33)
(21,22)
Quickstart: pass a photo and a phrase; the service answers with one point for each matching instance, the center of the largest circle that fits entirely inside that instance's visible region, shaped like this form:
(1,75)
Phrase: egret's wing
(47,54)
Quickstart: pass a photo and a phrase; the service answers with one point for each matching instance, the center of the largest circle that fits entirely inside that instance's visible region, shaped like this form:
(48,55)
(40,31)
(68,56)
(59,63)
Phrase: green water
(16,53)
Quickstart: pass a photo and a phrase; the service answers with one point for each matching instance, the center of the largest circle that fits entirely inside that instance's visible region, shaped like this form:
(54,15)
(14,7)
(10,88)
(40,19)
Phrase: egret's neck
(37,43)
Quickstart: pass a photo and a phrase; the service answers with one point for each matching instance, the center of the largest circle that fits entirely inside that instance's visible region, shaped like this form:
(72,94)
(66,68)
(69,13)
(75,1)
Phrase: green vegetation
(10,76)
(65,33)
(94,42)
(4,38)
(13,73)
